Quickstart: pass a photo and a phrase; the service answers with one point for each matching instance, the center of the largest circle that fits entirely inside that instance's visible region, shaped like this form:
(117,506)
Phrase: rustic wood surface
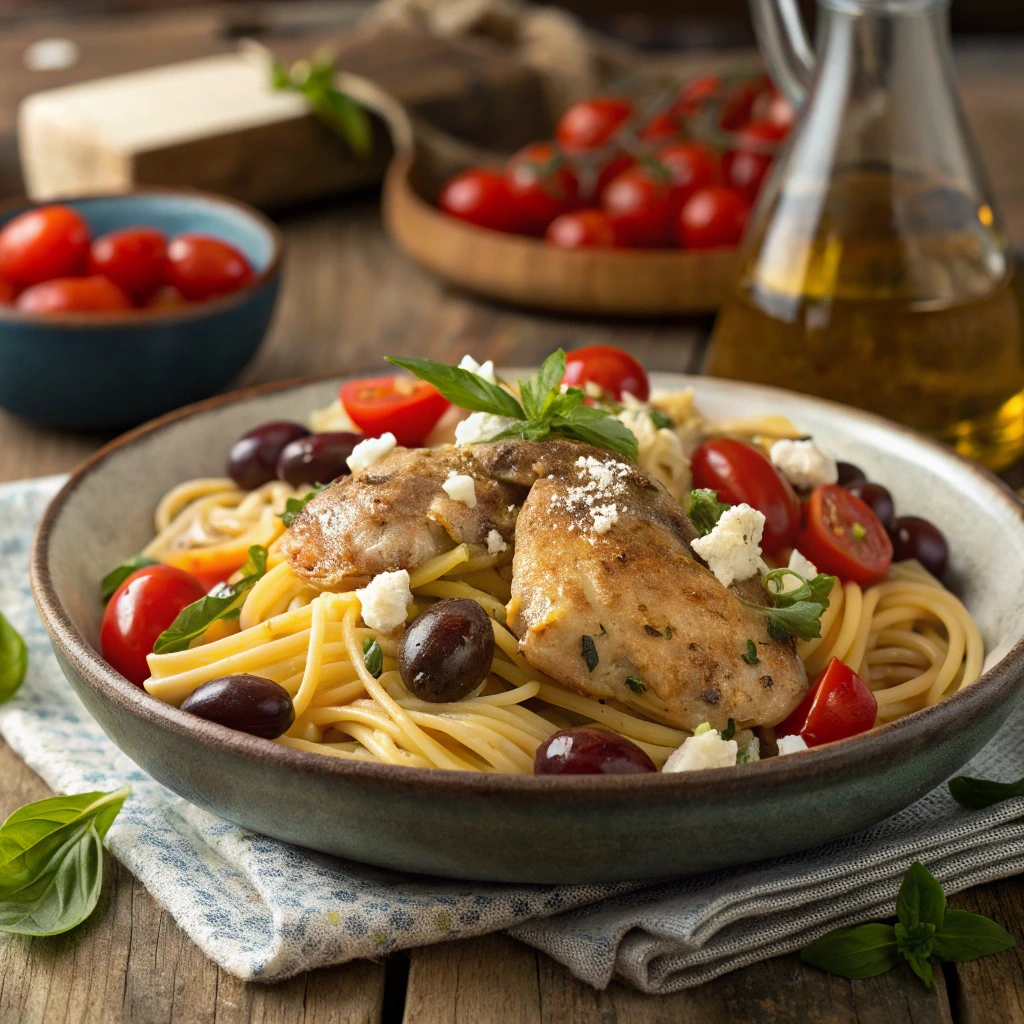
(349,297)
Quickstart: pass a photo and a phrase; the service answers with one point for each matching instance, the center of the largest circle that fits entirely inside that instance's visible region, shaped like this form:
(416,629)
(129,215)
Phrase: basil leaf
(978,793)
(51,861)
(589,651)
(462,388)
(293,506)
(705,510)
(921,899)
(194,620)
(117,576)
(373,657)
(861,952)
(916,939)
(750,657)
(966,936)
(660,420)
(529,430)
(596,427)
(13,660)
(537,391)
(920,966)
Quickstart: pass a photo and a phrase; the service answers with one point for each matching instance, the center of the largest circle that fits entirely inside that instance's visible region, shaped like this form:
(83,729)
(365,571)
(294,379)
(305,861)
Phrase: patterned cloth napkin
(265,910)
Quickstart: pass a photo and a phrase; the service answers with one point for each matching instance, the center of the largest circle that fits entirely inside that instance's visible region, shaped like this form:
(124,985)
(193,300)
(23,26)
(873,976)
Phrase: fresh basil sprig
(13,660)
(924,928)
(117,576)
(705,510)
(545,411)
(51,861)
(293,506)
(979,793)
(223,602)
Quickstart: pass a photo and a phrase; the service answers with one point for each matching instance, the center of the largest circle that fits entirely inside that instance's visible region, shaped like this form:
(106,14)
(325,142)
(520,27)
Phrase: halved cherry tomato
(139,611)
(712,218)
(740,473)
(692,166)
(41,244)
(406,408)
(73,295)
(482,197)
(842,536)
(591,123)
(612,369)
(747,164)
(838,705)
(581,229)
(135,259)
(202,267)
(695,93)
(543,186)
(643,204)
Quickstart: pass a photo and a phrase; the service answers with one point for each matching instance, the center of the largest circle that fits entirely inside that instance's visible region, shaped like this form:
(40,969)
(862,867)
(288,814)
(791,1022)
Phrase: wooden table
(348,298)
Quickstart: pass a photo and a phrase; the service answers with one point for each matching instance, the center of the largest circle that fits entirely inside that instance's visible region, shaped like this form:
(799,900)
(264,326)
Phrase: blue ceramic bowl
(109,371)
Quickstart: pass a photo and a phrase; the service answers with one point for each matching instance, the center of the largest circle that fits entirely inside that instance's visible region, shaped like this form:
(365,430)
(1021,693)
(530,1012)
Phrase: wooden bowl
(526,271)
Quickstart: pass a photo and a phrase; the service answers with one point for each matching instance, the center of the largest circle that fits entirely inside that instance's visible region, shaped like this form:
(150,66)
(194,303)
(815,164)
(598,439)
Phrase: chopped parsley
(750,657)
(705,510)
(589,651)
(636,685)
(660,420)
(373,657)
(652,630)
(730,730)
(668,632)
(796,612)
(293,506)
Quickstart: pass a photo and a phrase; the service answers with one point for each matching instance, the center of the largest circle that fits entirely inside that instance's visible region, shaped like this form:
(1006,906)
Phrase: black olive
(247,703)
(588,751)
(253,458)
(447,651)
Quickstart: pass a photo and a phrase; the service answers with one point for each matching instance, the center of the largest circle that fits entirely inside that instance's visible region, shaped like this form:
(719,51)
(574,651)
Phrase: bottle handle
(784,45)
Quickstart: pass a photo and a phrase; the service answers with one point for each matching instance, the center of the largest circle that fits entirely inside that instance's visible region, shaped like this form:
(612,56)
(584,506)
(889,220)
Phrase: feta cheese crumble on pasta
(804,464)
(385,600)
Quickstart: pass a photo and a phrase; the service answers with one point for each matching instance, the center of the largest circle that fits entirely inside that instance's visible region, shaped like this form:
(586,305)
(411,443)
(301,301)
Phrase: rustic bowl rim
(809,767)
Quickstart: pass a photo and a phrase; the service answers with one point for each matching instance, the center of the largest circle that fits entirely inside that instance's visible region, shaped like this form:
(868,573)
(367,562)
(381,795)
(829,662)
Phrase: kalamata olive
(589,751)
(247,703)
(879,500)
(850,474)
(316,459)
(447,651)
(252,461)
(915,537)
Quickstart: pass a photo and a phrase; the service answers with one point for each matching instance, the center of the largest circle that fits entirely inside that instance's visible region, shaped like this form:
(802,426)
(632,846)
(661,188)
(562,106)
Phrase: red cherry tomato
(712,218)
(745,166)
(165,297)
(591,123)
(41,244)
(202,267)
(661,127)
(695,93)
(842,536)
(838,705)
(739,102)
(139,611)
(543,186)
(610,171)
(581,229)
(773,107)
(612,369)
(740,473)
(134,259)
(73,295)
(692,166)
(406,408)
(643,205)
(7,292)
(482,197)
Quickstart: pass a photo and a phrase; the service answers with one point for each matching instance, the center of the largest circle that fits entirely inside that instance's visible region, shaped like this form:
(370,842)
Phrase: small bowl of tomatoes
(118,308)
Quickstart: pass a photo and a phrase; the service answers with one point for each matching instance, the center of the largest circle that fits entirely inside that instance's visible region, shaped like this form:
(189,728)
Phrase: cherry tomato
(695,93)
(165,297)
(406,408)
(202,267)
(739,102)
(713,217)
(661,127)
(139,611)
(610,171)
(581,229)
(643,205)
(591,123)
(134,259)
(41,244)
(842,536)
(745,168)
(692,166)
(543,186)
(611,368)
(838,705)
(482,197)
(740,473)
(73,295)
(7,292)
(773,107)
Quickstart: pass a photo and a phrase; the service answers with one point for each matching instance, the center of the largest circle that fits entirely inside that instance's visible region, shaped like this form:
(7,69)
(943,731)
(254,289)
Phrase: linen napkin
(265,910)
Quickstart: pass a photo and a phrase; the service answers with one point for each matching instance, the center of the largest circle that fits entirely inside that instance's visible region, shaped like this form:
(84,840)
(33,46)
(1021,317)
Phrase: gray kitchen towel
(265,910)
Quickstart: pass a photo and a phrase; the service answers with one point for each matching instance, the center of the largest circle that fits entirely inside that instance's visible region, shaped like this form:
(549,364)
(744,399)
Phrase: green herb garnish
(796,612)
(924,928)
(660,420)
(636,685)
(117,576)
(223,602)
(705,510)
(589,651)
(545,411)
(13,660)
(730,730)
(373,657)
(668,632)
(979,793)
(750,656)
(293,506)
(51,861)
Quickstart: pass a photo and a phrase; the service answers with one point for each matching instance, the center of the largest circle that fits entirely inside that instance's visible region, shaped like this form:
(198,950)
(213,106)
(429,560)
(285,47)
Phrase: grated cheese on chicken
(460,487)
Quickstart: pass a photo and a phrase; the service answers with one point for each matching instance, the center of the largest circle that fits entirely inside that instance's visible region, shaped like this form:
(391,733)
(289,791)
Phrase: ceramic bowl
(535,828)
(109,371)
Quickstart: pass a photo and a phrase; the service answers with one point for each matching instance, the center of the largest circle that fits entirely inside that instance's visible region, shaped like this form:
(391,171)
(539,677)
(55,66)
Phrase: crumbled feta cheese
(733,548)
(480,426)
(369,452)
(460,487)
(702,750)
(799,564)
(385,600)
(751,752)
(804,464)
(495,543)
(592,389)
(605,517)
(791,744)
(484,370)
